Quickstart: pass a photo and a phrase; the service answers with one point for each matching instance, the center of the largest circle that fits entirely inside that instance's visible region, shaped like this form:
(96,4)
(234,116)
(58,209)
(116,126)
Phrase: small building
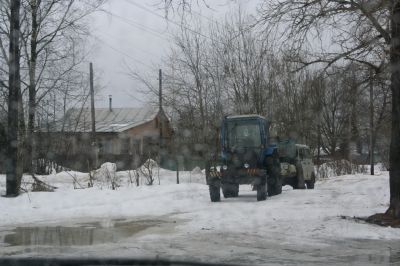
(126,136)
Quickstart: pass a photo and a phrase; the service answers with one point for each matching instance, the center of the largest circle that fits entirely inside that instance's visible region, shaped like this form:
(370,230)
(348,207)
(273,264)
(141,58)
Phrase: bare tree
(394,164)
(372,40)
(53,28)
(12,160)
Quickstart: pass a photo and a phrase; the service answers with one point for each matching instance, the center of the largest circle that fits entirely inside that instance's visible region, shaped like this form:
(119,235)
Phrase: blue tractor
(246,155)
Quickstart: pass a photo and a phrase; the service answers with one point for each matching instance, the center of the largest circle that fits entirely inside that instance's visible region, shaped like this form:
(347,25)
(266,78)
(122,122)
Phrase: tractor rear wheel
(278,186)
(235,189)
(261,192)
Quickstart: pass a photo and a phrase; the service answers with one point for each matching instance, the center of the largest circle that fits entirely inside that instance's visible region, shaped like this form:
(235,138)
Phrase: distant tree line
(346,55)
(231,67)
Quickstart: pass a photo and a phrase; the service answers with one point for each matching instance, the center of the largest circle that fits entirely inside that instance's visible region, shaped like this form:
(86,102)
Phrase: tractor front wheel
(215,191)
(230,190)
(274,175)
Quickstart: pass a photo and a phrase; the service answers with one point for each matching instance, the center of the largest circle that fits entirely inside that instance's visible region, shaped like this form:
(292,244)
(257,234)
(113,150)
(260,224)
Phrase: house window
(136,146)
(125,144)
(106,146)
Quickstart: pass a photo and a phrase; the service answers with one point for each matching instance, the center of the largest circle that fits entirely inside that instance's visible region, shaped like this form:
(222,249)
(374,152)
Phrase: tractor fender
(270,150)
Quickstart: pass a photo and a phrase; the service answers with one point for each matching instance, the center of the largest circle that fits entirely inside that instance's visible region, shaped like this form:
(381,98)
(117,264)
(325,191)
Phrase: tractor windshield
(243,134)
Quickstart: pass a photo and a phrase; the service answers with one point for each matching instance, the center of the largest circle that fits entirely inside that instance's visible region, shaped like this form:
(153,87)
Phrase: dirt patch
(354,218)
(384,219)
(381,219)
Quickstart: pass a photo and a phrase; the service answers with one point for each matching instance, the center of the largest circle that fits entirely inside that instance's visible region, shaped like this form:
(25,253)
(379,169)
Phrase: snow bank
(297,216)
(106,176)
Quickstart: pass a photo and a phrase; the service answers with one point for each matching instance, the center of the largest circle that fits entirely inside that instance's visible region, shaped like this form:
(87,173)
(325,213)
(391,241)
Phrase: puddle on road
(83,234)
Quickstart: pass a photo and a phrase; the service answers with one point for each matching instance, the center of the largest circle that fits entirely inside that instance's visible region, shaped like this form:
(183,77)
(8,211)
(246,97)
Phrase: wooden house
(126,136)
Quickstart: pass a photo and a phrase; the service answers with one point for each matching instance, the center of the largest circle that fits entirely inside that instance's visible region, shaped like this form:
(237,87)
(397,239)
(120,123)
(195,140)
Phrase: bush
(339,167)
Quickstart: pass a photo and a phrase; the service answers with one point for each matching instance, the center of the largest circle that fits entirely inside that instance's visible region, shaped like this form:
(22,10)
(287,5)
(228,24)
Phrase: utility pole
(160,122)
(371,122)
(93,137)
(12,162)
(160,103)
(319,121)
(54,109)
(177,171)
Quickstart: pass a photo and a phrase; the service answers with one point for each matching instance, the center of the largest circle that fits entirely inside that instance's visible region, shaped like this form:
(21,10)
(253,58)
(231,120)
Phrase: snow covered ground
(298,226)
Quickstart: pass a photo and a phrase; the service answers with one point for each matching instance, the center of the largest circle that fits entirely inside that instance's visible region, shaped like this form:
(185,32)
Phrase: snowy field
(298,226)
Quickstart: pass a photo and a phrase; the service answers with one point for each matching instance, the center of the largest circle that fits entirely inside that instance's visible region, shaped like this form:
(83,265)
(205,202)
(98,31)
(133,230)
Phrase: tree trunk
(32,88)
(371,123)
(21,135)
(355,132)
(13,178)
(394,180)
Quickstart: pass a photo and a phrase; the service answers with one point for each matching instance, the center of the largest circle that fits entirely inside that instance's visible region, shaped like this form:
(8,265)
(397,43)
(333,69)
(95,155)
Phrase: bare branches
(350,29)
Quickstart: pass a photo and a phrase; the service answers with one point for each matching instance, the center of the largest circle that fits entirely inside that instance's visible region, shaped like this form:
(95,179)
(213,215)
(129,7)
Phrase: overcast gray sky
(135,32)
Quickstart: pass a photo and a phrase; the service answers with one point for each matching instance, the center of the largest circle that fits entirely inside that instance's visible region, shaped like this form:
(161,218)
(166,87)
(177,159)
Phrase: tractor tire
(275,179)
(310,183)
(226,191)
(278,186)
(278,179)
(275,187)
(271,186)
(230,190)
(261,192)
(235,190)
(215,191)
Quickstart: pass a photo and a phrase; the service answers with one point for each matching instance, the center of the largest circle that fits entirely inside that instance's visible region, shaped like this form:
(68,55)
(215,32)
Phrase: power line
(137,25)
(208,18)
(136,47)
(123,53)
(171,21)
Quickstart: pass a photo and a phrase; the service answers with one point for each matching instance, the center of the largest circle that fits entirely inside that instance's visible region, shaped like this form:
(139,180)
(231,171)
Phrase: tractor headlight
(246,165)
(225,167)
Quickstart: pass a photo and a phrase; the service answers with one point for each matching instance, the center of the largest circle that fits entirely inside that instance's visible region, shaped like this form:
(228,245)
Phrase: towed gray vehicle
(297,167)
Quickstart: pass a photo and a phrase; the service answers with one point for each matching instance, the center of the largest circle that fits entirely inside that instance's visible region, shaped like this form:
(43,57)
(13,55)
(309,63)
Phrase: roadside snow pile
(105,170)
(106,176)
(196,170)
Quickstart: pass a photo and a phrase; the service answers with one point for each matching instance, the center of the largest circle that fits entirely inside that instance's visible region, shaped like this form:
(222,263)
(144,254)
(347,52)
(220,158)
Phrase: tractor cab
(243,139)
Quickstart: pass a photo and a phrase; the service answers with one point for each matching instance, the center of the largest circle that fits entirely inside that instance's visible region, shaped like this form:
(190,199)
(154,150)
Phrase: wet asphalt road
(152,238)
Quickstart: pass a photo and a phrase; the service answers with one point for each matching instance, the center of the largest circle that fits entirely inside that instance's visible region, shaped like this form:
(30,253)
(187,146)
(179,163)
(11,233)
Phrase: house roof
(244,116)
(116,120)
